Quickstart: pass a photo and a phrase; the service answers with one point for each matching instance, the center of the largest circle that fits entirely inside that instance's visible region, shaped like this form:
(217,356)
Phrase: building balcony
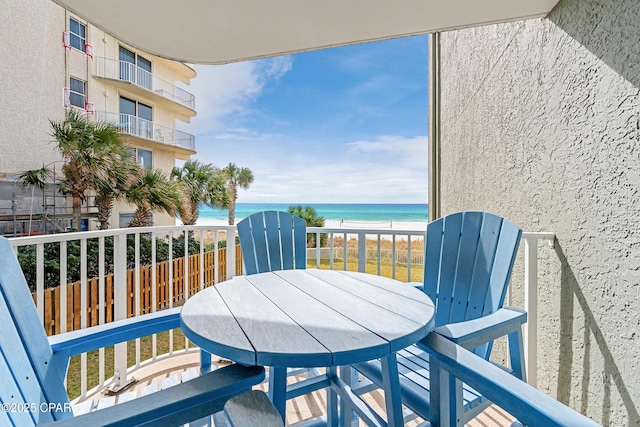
(147,85)
(150,131)
(101,292)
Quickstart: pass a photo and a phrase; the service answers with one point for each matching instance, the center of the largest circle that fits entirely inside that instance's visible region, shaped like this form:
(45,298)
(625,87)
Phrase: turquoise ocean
(348,214)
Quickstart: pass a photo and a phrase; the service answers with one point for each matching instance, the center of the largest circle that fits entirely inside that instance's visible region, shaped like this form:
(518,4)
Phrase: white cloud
(390,169)
(274,68)
(411,152)
(226,91)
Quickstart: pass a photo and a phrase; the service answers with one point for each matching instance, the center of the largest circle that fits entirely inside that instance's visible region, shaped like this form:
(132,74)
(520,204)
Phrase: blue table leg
(332,400)
(391,385)
(348,417)
(205,362)
(278,389)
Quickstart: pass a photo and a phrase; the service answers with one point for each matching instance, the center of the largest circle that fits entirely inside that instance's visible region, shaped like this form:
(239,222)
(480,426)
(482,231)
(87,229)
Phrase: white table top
(307,318)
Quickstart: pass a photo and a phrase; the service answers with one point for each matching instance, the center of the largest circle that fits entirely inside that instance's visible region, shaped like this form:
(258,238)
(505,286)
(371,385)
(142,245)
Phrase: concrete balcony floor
(299,409)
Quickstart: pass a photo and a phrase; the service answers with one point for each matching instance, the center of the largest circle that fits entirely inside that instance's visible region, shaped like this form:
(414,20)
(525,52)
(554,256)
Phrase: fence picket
(182,285)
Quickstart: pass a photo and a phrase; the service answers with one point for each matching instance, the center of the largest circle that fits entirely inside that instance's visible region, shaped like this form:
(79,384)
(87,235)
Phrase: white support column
(434,127)
(120,309)
(40,281)
(362,252)
(83,311)
(231,252)
(531,307)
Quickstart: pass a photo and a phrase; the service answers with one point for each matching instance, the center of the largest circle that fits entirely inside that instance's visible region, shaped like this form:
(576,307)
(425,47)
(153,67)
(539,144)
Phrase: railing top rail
(365,231)
(539,235)
(79,235)
(29,240)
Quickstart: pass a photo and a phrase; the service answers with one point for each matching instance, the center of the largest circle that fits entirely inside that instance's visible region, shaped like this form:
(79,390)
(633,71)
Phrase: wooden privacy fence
(52,296)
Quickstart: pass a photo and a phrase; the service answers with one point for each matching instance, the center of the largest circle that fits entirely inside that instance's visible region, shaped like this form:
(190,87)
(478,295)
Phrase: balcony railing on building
(126,71)
(108,275)
(142,128)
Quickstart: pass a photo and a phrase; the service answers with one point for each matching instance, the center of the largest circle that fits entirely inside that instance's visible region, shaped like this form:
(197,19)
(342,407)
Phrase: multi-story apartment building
(52,61)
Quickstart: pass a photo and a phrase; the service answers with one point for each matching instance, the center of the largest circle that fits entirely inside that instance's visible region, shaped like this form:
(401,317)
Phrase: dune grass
(386,270)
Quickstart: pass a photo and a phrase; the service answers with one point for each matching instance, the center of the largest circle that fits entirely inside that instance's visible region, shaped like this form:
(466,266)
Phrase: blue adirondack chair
(33,367)
(271,241)
(468,261)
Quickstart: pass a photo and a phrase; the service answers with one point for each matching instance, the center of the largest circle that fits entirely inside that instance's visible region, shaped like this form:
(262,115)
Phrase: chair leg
(445,406)
(516,353)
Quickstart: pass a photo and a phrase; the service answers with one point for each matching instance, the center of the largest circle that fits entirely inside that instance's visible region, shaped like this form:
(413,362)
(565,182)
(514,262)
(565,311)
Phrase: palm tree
(36,178)
(312,219)
(202,184)
(236,177)
(91,151)
(120,177)
(153,191)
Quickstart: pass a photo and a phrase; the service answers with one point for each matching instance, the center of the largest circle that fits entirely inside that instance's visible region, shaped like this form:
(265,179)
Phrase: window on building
(137,117)
(143,157)
(77,34)
(125,219)
(78,91)
(135,68)
(145,112)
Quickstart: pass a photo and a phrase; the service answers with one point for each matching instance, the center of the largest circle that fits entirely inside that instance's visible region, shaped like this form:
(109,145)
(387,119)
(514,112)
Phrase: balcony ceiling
(222,31)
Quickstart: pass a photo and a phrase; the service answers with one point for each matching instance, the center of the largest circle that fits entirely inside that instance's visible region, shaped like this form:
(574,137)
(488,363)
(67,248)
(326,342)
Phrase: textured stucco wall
(32,75)
(541,123)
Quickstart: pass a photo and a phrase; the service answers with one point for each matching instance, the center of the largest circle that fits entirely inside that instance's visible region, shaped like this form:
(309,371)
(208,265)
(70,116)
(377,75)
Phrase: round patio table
(311,318)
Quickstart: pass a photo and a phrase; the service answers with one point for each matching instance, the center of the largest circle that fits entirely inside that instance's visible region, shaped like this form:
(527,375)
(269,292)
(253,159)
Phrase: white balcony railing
(126,71)
(142,128)
(111,264)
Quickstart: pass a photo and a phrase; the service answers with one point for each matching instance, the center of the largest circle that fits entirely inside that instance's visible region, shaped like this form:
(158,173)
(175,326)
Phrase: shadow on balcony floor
(300,409)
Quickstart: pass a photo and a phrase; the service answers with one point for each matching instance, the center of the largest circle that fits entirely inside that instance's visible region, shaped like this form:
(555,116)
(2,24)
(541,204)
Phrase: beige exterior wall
(541,123)
(32,66)
(106,97)
(35,67)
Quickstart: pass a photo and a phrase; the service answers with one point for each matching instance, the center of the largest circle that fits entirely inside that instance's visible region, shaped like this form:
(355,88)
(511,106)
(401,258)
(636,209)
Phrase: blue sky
(342,125)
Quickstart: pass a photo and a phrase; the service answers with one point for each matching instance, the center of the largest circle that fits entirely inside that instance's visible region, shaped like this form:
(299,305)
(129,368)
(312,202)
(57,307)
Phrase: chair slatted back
(29,373)
(272,241)
(469,257)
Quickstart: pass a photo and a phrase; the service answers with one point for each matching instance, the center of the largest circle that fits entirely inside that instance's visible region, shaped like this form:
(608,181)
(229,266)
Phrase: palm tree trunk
(105,207)
(194,214)
(188,212)
(77,211)
(140,217)
(232,204)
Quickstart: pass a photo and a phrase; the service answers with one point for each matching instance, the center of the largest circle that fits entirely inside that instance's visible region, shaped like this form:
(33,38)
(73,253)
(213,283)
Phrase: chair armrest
(252,408)
(473,333)
(417,285)
(191,400)
(95,337)
(531,406)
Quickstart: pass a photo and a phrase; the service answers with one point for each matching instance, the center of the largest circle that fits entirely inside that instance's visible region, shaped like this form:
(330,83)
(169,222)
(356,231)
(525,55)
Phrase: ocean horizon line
(380,213)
